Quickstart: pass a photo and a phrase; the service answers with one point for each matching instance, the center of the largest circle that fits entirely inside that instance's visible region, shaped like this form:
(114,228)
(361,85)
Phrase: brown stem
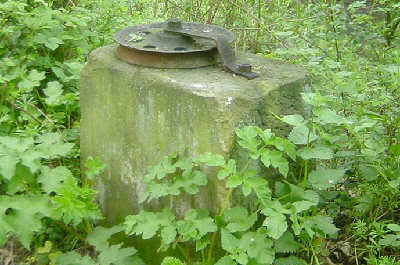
(71,231)
(22,110)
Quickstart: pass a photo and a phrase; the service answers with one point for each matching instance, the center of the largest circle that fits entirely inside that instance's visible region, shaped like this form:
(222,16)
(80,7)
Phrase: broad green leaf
(211,159)
(395,149)
(234,181)
(52,145)
(31,159)
(94,167)
(238,219)
(276,159)
(368,172)
(325,178)
(73,203)
(172,261)
(229,242)
(285,146)
(286,243)
(73,258)
(17,144)
(390,240)
(7,166)
(32,80)
(100,235)
(21,181)
(292,260)
(300,134)
(52,43)
(394,227)
(226,260)
(293,120)
(22,221)
(322,223)
(326,116)
(318,152)
(258,246)
(53,93)
(275,222)
(116,255)
(53,178)
(145,223)
(260,187)
(249,139)
(301,206)
(229,169)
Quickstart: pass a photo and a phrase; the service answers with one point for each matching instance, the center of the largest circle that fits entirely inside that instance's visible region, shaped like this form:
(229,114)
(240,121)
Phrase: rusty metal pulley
(176,44)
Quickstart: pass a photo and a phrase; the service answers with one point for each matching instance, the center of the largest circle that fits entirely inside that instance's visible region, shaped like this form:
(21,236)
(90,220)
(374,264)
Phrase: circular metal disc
(153,38)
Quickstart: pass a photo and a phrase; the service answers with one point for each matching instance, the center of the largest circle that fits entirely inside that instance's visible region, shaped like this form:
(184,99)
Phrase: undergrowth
(343,189)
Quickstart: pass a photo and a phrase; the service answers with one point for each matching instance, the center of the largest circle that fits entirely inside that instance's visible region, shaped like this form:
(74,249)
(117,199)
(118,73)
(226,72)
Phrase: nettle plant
(36,190)
(288,224)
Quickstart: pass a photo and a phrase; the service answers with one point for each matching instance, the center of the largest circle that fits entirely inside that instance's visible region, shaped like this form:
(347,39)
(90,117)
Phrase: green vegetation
(339,168)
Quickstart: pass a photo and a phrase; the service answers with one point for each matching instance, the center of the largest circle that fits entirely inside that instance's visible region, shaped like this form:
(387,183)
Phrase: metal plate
(154,38)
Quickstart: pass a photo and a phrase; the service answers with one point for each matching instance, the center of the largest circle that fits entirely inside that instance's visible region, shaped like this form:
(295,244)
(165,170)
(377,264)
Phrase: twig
(22,110)
(47,117)
(260,22)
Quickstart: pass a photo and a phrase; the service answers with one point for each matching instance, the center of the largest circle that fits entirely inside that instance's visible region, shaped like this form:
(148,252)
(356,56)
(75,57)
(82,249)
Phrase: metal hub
(176,44)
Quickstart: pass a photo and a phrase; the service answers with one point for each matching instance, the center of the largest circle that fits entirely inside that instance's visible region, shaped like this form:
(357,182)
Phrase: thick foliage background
(350,48)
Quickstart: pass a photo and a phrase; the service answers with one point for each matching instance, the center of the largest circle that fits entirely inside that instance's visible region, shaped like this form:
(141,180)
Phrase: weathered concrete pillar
(132,116)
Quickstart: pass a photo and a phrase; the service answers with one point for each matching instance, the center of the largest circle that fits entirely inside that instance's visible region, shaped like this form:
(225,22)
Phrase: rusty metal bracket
(223,46)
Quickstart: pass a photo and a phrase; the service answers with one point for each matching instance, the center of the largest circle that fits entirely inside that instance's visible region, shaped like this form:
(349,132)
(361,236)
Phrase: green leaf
(31,159)
(229,169)
(53,93)
(292,260)
(22,221)
(52,145)
(301,206)
(73,203)
(369,173)
(116,255)
(94,167)
(7,166)
(100,235)
(234,181)
(145,223)
(52,43)
(322,223)
(326,116)
(325,178)
(286,244)
(394,227)
(248,139)
(276,159)
(294,120)
(53,179)
(260,187)
(229,242)
(171,261)
(395,149)
(32,80)
(275,222)
(258,246)
(318,152)
(238,219)
(211,159)
(284,145)
(390,240)
(226,260)
(302,135)
(73,258)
